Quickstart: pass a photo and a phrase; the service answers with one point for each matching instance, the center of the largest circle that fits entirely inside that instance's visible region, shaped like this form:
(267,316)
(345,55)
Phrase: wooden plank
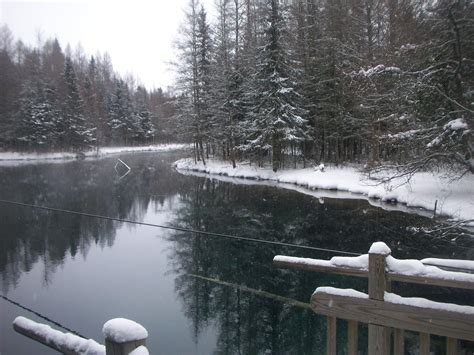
(439,322)
(468,284)
(42,339)
(424,344)
(422,280)
(377,345)
(451,346)
(352,337)
(302,265)
(331,336)
(399,342)
(377,286)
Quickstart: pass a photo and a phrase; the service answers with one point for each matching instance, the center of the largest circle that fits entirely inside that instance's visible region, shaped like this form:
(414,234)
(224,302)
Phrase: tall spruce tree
(194,78)
(74,130)
(277,121)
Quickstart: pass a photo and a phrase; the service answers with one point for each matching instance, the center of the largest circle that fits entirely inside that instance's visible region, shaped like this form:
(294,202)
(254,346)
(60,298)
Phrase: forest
(54,99)
(375,82)
(282,82)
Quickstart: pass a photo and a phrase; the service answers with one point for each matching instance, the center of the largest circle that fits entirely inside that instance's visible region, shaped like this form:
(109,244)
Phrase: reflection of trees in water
(30,235)
(246,322)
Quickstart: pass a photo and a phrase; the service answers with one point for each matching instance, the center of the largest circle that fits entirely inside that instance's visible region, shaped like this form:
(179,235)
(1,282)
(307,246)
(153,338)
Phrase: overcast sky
(138,34)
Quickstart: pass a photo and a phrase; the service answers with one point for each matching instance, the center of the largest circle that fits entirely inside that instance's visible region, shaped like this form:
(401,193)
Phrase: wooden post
(399,342)
(122,336)
(352,337)
(451,346)
(377,286)
(331,336)
(424,344)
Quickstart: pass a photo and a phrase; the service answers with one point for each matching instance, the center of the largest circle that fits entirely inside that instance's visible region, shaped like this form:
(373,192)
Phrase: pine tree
(194,79)
(73,126)
(145,128)
(10,90)
(277,121)
(38,117)
(118,115)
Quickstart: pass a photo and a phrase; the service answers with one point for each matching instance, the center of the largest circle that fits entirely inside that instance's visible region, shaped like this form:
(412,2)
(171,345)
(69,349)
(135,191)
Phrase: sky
(138,34)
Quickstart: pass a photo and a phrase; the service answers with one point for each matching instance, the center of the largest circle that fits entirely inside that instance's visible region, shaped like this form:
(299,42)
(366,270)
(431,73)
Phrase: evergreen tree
(118,115)
(145,130)
(10,90)
(194,78)
(38,117)
(74,131)
(277,121)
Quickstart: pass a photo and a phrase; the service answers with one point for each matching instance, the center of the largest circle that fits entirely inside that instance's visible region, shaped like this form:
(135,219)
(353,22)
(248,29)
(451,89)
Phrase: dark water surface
(194,294)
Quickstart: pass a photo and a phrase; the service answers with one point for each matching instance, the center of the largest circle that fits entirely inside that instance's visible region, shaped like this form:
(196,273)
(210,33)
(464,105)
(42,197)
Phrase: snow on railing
(407,270)
(383,310)
(122,337)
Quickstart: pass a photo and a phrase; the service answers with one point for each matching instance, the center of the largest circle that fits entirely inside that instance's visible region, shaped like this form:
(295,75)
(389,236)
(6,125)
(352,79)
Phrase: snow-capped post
(378,284)
(122,336)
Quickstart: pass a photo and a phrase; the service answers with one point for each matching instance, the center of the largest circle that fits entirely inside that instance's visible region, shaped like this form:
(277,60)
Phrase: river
(195,294)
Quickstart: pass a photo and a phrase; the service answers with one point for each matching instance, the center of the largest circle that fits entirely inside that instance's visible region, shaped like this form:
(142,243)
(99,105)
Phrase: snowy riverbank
(10,157)
(455,199)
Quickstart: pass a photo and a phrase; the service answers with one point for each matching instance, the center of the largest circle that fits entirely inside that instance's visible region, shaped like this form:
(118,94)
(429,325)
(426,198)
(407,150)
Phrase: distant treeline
(376,81)
(53,99)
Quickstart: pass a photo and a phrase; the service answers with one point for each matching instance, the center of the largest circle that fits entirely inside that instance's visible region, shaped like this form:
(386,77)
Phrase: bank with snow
(6,157)
(454,199)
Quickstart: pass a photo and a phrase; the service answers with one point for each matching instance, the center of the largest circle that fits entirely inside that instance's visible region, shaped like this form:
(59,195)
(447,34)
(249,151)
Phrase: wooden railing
(384,312)
(122,337)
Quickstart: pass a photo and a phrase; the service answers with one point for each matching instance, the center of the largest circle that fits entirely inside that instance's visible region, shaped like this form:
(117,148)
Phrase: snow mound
(121,330)
(379,248)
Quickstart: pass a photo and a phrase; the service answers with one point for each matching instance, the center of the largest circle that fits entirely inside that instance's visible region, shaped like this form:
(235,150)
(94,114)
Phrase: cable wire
(212,234)
(181,229)
(42,316)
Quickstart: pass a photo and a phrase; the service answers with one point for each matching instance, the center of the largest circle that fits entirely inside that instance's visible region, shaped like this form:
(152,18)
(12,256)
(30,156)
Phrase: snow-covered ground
(454,199)
(9,158)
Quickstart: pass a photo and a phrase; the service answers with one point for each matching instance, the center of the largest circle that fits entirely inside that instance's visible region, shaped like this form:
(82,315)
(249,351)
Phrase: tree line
(54,100)
(381,82)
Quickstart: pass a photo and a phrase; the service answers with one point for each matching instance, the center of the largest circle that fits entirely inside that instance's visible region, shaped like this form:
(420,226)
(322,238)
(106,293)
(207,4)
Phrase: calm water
(194,294)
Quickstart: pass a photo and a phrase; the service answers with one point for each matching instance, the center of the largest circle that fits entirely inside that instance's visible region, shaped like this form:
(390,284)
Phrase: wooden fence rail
(122,337)
(388,315)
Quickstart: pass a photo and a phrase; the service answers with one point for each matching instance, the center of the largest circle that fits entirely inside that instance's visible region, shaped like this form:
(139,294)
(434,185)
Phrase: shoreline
(16,157)
(454,199)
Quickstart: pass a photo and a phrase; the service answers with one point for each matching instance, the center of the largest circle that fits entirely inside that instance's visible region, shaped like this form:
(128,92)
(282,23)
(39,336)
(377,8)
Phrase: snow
(121,330)
(7,158)
(379,248)
(357,262)
(413,267)
(410,267)
(456,125)
(454,263)
(69,341)
(396,299)
(141,350)
(346,292)
(379,69)
(454,198)
(425,303)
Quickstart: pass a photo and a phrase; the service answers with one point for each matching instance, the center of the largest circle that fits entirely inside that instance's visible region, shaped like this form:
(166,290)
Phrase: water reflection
(223,280)
(30,234)
(223,284)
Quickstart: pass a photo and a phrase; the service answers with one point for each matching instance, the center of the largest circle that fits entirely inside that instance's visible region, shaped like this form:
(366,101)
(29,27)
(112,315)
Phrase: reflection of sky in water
(82,271)
(132,280)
